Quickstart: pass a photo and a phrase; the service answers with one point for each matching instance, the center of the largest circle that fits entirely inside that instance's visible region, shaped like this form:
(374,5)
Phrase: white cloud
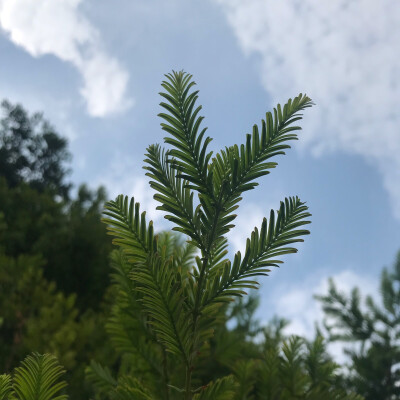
(124,177)
(344,54)
(250,215)
(59,28)
(296,303)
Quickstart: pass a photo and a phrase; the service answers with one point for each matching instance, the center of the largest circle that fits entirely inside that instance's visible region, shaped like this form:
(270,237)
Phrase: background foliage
(371,331)
(54,251)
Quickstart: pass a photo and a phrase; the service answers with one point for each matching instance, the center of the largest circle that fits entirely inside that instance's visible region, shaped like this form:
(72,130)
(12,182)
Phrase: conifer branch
(129,228)
(163,301)
(183,124)
(272,240)
(172,192)
(236,169)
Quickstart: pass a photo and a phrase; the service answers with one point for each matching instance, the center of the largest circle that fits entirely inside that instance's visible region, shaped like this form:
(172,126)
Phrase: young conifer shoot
(180,302)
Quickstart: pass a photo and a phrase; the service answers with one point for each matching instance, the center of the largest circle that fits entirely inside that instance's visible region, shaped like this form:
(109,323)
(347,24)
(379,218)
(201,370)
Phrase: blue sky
(95,67)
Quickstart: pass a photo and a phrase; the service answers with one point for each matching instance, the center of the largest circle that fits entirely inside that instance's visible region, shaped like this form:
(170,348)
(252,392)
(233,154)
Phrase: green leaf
(129,227)
(294,379)
(178,297)
(183,124)
(100,377)
(221,389)
(172,246)
(127,326)
(164,302)
(246,376)
(130,388)
(173,193)
(272,240)
(38,378)
(6,389)
(236,168)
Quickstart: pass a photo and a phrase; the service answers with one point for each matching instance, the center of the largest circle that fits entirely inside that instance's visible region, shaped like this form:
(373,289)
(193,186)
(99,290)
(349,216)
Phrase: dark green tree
(32,151)
(35,316)
(29,216)
(373,330)
(78,261)
(54,253)
(69,236)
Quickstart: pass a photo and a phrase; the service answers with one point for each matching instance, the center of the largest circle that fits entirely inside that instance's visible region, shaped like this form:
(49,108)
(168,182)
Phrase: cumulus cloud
(59,28)
(344,54)
(250,215)
(124,177)
(296,303)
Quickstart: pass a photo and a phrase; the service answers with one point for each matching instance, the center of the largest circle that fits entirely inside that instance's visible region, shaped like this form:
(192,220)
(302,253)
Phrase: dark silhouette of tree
(69,236)
(32,151)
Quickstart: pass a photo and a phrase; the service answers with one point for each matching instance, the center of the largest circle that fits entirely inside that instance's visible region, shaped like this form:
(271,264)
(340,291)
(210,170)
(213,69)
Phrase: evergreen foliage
(35,316)
(178,305)
(297,369)
(37,210)
(31,151)
(38,378)
(244,362)
(373,331)
(68,235)
(54,268)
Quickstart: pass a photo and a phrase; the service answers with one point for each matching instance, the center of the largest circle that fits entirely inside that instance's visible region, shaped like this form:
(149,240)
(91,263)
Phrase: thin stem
(196,315)
(188,384)
(196,308)
(165,373)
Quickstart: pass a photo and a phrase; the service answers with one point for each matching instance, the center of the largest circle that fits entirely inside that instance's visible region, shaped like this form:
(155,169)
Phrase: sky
(94,68)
